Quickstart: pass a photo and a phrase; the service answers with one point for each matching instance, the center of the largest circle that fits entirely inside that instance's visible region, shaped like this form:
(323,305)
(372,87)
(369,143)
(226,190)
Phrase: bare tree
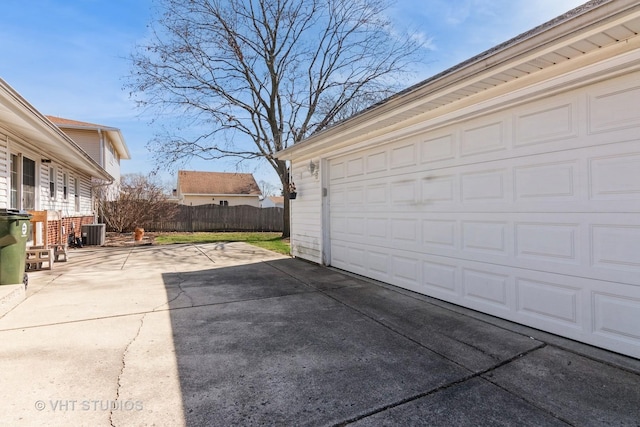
(256,76)
(268,189)
(137,202)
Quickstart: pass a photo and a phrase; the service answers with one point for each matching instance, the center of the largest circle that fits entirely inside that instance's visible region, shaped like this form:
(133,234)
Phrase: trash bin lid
(9,213)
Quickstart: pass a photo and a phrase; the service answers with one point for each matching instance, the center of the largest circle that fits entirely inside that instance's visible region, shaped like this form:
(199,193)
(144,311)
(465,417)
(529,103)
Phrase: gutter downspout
(101,148)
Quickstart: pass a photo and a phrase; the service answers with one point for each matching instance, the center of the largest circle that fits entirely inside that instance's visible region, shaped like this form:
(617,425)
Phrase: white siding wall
(89,141)
(43,197)
(10,145)
(86,196)
(43,200)
(111,160)
(58,202)
(4,171)
(306,213)
(215,200)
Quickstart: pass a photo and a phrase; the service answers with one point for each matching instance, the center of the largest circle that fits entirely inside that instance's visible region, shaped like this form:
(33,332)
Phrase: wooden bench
(37,256)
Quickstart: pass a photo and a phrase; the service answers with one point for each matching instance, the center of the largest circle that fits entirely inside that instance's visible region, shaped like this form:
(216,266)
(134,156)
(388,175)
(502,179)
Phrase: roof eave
(28,122)
(114,133)
(118,141)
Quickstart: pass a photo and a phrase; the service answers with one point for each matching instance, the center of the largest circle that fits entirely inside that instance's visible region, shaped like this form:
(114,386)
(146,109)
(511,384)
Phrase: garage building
(509,184)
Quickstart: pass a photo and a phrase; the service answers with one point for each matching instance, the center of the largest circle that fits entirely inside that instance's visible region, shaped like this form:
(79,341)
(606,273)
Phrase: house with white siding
(197,188)
(508,184)
(105,144)
(43,169)
(272,202)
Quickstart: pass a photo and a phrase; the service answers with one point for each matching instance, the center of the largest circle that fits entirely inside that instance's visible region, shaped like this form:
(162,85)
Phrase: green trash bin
(14,233)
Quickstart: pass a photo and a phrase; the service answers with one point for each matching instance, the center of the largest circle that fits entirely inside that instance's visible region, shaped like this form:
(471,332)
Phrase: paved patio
(207,335)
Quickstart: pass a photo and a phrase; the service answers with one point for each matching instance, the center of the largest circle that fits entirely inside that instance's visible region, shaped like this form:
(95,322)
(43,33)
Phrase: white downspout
(101,148)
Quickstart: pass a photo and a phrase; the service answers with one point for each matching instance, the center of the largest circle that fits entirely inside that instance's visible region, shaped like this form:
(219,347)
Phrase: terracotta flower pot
(138,233)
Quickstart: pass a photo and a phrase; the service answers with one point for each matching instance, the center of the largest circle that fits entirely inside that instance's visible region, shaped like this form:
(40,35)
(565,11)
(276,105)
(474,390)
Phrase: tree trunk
(283,171)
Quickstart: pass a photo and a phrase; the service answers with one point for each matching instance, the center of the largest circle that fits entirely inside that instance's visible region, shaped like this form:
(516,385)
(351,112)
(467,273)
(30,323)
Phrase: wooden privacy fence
(221,218)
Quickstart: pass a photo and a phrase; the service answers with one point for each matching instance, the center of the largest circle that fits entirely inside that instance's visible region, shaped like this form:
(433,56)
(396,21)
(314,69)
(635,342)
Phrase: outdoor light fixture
(314,168)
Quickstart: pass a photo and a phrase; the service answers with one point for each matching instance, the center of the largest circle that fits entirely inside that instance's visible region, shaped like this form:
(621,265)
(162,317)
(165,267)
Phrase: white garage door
(531,214)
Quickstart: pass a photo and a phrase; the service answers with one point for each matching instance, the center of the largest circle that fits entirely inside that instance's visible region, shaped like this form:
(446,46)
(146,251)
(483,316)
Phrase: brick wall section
(71,225)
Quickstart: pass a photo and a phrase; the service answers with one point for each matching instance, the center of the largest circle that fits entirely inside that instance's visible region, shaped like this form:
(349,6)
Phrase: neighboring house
(218,188)
(509,184)
(104,144)
(42,169)
(272,202)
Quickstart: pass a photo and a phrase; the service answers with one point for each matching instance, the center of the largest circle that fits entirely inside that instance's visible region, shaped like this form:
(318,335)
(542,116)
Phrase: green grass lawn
(270,241)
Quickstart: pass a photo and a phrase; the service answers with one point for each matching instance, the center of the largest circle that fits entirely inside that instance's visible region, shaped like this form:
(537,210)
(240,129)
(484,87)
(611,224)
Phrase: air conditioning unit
(94,234)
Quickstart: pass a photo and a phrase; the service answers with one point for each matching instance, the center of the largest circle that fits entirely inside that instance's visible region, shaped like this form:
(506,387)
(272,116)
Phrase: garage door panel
(404,191)
(482,137)
(337,171)
(379,264)
(440,277)
(405,270)
(616,247)
(547,181)
(354,196)
(490,237)
(549,301)
(554,242)
(377,229)
(615,177)
(486,287)
(337,197)
(545,123)
(438,148)
(403,156)
(613,107)
(377,162)
(355,167)
(440,234)
(440,190)
(486,186)
(616,316)
(377,194)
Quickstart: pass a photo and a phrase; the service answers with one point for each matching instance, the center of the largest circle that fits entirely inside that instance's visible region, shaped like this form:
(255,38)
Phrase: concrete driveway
(221,335)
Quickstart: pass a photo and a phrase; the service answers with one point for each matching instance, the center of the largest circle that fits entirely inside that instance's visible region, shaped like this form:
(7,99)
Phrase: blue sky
(68,57)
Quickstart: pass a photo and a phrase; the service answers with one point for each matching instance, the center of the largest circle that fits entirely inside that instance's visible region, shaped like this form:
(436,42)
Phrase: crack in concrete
(452,384)
(530,402)
(449,385)
(472,375)
(124,365)
(182,292)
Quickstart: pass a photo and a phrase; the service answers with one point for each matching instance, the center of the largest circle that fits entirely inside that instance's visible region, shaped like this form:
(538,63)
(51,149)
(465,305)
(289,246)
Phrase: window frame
(53,187)
(65,186)
(76,193)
